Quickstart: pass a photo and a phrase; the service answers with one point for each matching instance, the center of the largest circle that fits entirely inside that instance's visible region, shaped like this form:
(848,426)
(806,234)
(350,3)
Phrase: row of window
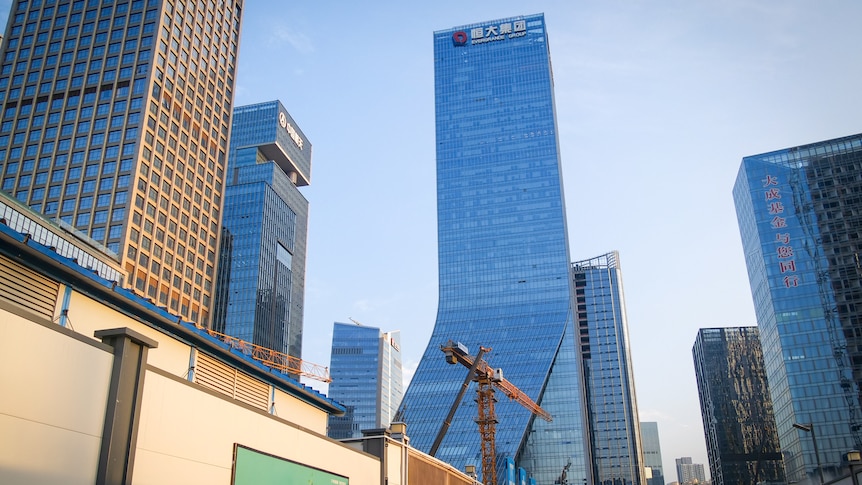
(38,30)
(23,5)
(70,206)
(108,65)
(126,40)
(90,81)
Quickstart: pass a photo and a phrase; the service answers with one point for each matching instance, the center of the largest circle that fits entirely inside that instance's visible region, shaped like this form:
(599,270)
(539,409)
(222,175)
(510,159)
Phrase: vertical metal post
(809,428)
(122,414)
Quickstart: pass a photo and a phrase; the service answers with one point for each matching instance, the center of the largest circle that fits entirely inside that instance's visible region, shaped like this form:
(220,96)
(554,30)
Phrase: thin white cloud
(299,41)
(363,305)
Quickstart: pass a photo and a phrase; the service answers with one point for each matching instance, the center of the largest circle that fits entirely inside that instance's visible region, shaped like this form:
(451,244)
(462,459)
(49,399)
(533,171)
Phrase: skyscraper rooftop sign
(291,131)
(491,33)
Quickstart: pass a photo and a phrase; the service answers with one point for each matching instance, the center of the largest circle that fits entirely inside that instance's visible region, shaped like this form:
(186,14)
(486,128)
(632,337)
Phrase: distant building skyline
(118,126)
(689,473)
(739,426)
(504,276)
(799,219)
(261,277)
(600,316)
(652,452)
(366,376)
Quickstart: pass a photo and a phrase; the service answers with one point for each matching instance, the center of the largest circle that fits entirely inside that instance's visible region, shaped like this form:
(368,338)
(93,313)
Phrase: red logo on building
(459,38)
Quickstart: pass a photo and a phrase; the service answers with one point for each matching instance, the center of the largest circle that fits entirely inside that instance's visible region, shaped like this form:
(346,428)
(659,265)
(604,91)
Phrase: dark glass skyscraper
(612,412)
(739,426)
(366,378)
(503,252)
(115,123)
(800,218)
(261,283)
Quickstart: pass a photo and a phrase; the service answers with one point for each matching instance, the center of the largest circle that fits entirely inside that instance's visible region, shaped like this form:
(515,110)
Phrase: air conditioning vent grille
(222,378)
(27,289)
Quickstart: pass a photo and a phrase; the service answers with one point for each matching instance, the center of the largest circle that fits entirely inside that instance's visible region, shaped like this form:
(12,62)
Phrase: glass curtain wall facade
(652,452)
(799,219)
(366,378)
(739,426)
(600,315)
(115,123)
(391,377)
(503,253)
(261,281)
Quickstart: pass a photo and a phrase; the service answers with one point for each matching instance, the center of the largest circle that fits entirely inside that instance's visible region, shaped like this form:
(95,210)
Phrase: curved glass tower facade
(799,218)
(503,252)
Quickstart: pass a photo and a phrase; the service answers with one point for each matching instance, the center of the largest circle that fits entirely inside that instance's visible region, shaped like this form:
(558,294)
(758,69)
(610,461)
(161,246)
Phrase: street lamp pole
(854,457)
(809,428)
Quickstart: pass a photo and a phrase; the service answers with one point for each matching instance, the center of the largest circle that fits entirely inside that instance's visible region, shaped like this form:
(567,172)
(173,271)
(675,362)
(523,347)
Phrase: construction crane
(488,379)
(279,361)
(563,480)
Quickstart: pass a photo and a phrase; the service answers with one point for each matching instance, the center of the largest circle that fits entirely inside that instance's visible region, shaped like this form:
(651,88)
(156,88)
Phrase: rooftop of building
(27,251)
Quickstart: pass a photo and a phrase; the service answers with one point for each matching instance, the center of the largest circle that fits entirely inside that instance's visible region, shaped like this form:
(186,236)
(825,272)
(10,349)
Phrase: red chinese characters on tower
(787,266)
(773,194)
(784,252)
(776,208)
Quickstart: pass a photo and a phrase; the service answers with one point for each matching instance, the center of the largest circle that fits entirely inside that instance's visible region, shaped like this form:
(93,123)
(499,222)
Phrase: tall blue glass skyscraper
(366,378)
(261,278)
(800,218)
(612,411)
(503,252)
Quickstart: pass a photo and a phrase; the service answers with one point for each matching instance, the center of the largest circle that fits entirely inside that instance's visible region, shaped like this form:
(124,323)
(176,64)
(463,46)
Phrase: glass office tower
(261,283)
(799,218)
(116,118)
(652,452)
(738,422)
(366,378)
(503,253)
(612,410)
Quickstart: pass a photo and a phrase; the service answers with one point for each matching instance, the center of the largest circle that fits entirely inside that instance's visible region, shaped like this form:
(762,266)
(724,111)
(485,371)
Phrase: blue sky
(657,102)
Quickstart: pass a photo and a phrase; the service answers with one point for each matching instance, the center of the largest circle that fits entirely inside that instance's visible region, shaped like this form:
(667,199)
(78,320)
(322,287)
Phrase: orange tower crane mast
(488,379)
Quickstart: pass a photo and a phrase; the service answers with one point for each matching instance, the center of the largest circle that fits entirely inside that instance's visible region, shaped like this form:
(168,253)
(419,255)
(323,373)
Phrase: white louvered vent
(222,378)
(27,289)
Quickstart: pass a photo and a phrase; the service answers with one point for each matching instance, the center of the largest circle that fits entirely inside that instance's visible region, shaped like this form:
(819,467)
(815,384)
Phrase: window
(83,219)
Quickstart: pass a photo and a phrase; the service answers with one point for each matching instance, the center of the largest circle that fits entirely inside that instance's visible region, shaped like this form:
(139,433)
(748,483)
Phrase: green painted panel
(255,468)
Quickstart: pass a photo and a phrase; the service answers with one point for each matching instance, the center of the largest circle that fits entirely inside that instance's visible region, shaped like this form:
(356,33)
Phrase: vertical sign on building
(784,249)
